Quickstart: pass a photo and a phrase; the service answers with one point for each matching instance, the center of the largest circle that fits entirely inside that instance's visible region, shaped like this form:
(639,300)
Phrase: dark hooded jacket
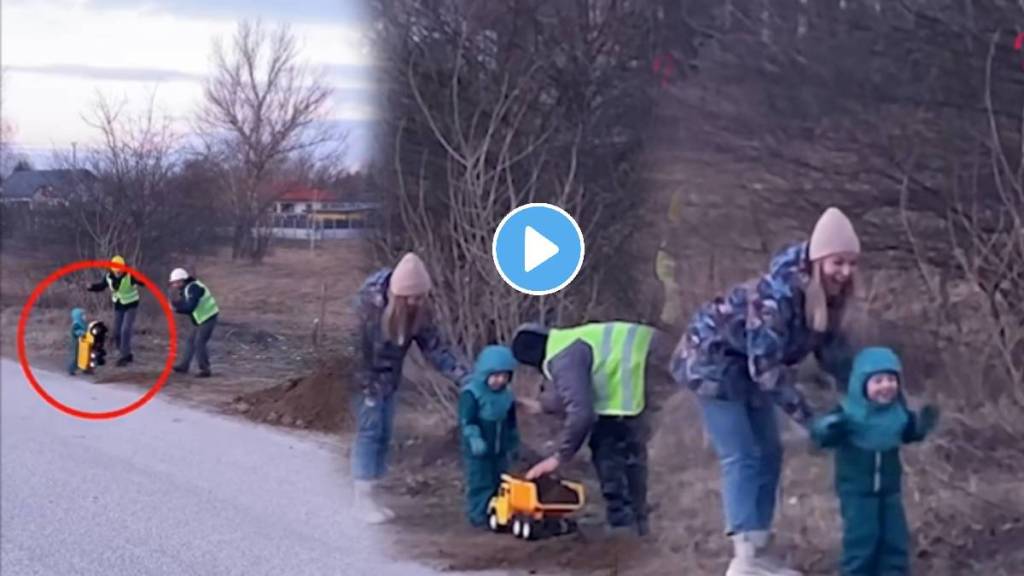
(868,436)
(486,413)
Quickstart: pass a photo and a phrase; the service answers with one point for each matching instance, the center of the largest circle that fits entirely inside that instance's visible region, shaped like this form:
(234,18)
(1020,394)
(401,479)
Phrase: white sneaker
(744,567)
(365,508)
(748,560)
(742,563)
(764,557)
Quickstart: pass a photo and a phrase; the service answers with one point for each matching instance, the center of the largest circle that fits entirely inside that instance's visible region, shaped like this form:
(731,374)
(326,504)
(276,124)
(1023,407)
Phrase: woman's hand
(543,468)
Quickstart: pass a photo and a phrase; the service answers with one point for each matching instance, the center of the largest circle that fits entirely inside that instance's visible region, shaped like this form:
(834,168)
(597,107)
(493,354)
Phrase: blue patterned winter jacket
(751,339)
(381,369)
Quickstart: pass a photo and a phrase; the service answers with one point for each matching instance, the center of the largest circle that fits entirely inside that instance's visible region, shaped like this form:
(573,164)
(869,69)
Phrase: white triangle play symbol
(537,249)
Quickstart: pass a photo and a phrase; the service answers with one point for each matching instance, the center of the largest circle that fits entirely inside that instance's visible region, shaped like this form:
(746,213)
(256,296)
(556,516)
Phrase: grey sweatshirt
(570,375)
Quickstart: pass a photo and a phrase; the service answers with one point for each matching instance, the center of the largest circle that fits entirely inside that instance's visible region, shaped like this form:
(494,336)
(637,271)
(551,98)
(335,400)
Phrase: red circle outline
(172,348)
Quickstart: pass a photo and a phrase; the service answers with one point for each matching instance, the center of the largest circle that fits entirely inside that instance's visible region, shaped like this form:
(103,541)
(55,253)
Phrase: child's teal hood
(492,359)
(78,316)
(873,426)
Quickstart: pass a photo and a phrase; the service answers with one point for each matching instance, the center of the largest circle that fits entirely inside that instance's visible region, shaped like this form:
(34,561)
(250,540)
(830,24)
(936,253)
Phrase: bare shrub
(501,103)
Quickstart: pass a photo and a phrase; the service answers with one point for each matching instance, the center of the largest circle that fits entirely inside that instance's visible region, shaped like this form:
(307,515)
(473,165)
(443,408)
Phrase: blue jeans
(375,416)
(124,324)
(745,435)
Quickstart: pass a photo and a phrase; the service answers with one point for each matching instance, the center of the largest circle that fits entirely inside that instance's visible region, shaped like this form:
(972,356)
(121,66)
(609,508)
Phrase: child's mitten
(927,419)
(477,446)
(826,429)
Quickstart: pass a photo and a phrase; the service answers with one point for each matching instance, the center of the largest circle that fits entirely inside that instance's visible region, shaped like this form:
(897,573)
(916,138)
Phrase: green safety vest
(126,293)
(620,356)
(207,304)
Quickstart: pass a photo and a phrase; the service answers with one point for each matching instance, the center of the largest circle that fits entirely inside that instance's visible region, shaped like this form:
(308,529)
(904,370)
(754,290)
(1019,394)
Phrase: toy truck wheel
(528,531)
(492,522)
(517,527)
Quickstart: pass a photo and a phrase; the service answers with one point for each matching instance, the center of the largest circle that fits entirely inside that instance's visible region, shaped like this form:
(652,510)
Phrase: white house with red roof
(302,211)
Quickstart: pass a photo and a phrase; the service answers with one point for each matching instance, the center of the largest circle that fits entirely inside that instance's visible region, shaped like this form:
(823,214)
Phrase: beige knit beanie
(410,277)
(833,234)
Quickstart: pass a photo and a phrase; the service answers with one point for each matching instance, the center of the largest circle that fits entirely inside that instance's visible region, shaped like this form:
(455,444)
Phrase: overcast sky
(58,53)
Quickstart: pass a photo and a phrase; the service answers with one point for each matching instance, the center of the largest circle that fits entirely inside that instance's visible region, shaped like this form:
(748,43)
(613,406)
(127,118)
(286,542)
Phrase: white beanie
(833,234)
(410,277)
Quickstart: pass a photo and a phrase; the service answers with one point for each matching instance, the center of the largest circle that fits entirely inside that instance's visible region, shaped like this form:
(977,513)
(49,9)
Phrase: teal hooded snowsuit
(78,328)
(868,472)
(487,420)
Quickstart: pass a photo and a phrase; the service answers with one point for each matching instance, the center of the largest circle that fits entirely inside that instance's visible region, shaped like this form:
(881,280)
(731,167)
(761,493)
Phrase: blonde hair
(401,321)
(822,315)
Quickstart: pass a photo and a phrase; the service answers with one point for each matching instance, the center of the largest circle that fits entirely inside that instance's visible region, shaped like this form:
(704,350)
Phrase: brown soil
(320,401)
(552,491)
(957,529)
(427,495)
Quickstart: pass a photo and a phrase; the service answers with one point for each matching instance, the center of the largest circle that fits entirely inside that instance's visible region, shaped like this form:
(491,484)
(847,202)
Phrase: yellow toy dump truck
(535,509)
(91,351)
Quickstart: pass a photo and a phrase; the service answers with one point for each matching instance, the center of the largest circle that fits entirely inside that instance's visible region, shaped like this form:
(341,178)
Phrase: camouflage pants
(619,450)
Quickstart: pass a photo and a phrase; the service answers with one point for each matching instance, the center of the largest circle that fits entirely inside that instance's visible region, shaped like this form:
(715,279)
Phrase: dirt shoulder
(965,511)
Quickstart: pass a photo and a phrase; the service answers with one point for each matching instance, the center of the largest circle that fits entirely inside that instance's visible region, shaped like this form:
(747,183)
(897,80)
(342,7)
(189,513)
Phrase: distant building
(44,187)
(303,200)
(301,212)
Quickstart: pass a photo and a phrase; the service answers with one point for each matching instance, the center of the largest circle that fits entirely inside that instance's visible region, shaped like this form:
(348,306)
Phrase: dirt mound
(320,401)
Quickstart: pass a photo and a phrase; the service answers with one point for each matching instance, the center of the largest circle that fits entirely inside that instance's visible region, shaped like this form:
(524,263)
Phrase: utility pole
(312,228)
(74,154)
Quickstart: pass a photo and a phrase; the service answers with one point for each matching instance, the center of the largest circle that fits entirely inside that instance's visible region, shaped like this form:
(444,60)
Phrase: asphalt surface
(170,490)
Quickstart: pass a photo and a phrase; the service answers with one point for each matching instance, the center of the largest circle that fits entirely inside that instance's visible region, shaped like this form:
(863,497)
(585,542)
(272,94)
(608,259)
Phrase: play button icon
(538,249)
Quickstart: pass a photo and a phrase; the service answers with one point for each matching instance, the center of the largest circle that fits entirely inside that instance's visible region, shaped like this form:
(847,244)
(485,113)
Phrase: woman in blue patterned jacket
(392,307)
(738,354)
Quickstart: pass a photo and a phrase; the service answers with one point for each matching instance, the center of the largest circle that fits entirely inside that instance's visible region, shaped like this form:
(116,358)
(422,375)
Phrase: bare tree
(135,165)
(261,106)
(504,102)
(7,159)
(129,194)
(987,225)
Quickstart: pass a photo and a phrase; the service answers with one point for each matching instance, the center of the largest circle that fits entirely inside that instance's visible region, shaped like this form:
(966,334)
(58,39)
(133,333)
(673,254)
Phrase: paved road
(169,490)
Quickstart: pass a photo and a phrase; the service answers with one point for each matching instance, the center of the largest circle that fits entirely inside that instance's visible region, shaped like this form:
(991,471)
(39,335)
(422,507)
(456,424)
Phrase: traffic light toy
(91,351)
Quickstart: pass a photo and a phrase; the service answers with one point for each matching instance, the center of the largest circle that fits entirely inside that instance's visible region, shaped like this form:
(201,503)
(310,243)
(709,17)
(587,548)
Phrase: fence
(321,226)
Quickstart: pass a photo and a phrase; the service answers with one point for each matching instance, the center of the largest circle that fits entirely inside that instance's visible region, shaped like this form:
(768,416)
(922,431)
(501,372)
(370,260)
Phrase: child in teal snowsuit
(487,420)
(866,431)
(78,328)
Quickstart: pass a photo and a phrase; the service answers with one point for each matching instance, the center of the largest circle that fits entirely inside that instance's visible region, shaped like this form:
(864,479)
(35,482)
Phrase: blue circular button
(538,249)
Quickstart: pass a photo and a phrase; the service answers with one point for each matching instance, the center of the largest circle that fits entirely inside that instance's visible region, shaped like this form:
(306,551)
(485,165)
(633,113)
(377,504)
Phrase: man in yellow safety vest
(601,375)
(192,298)
(124,290)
